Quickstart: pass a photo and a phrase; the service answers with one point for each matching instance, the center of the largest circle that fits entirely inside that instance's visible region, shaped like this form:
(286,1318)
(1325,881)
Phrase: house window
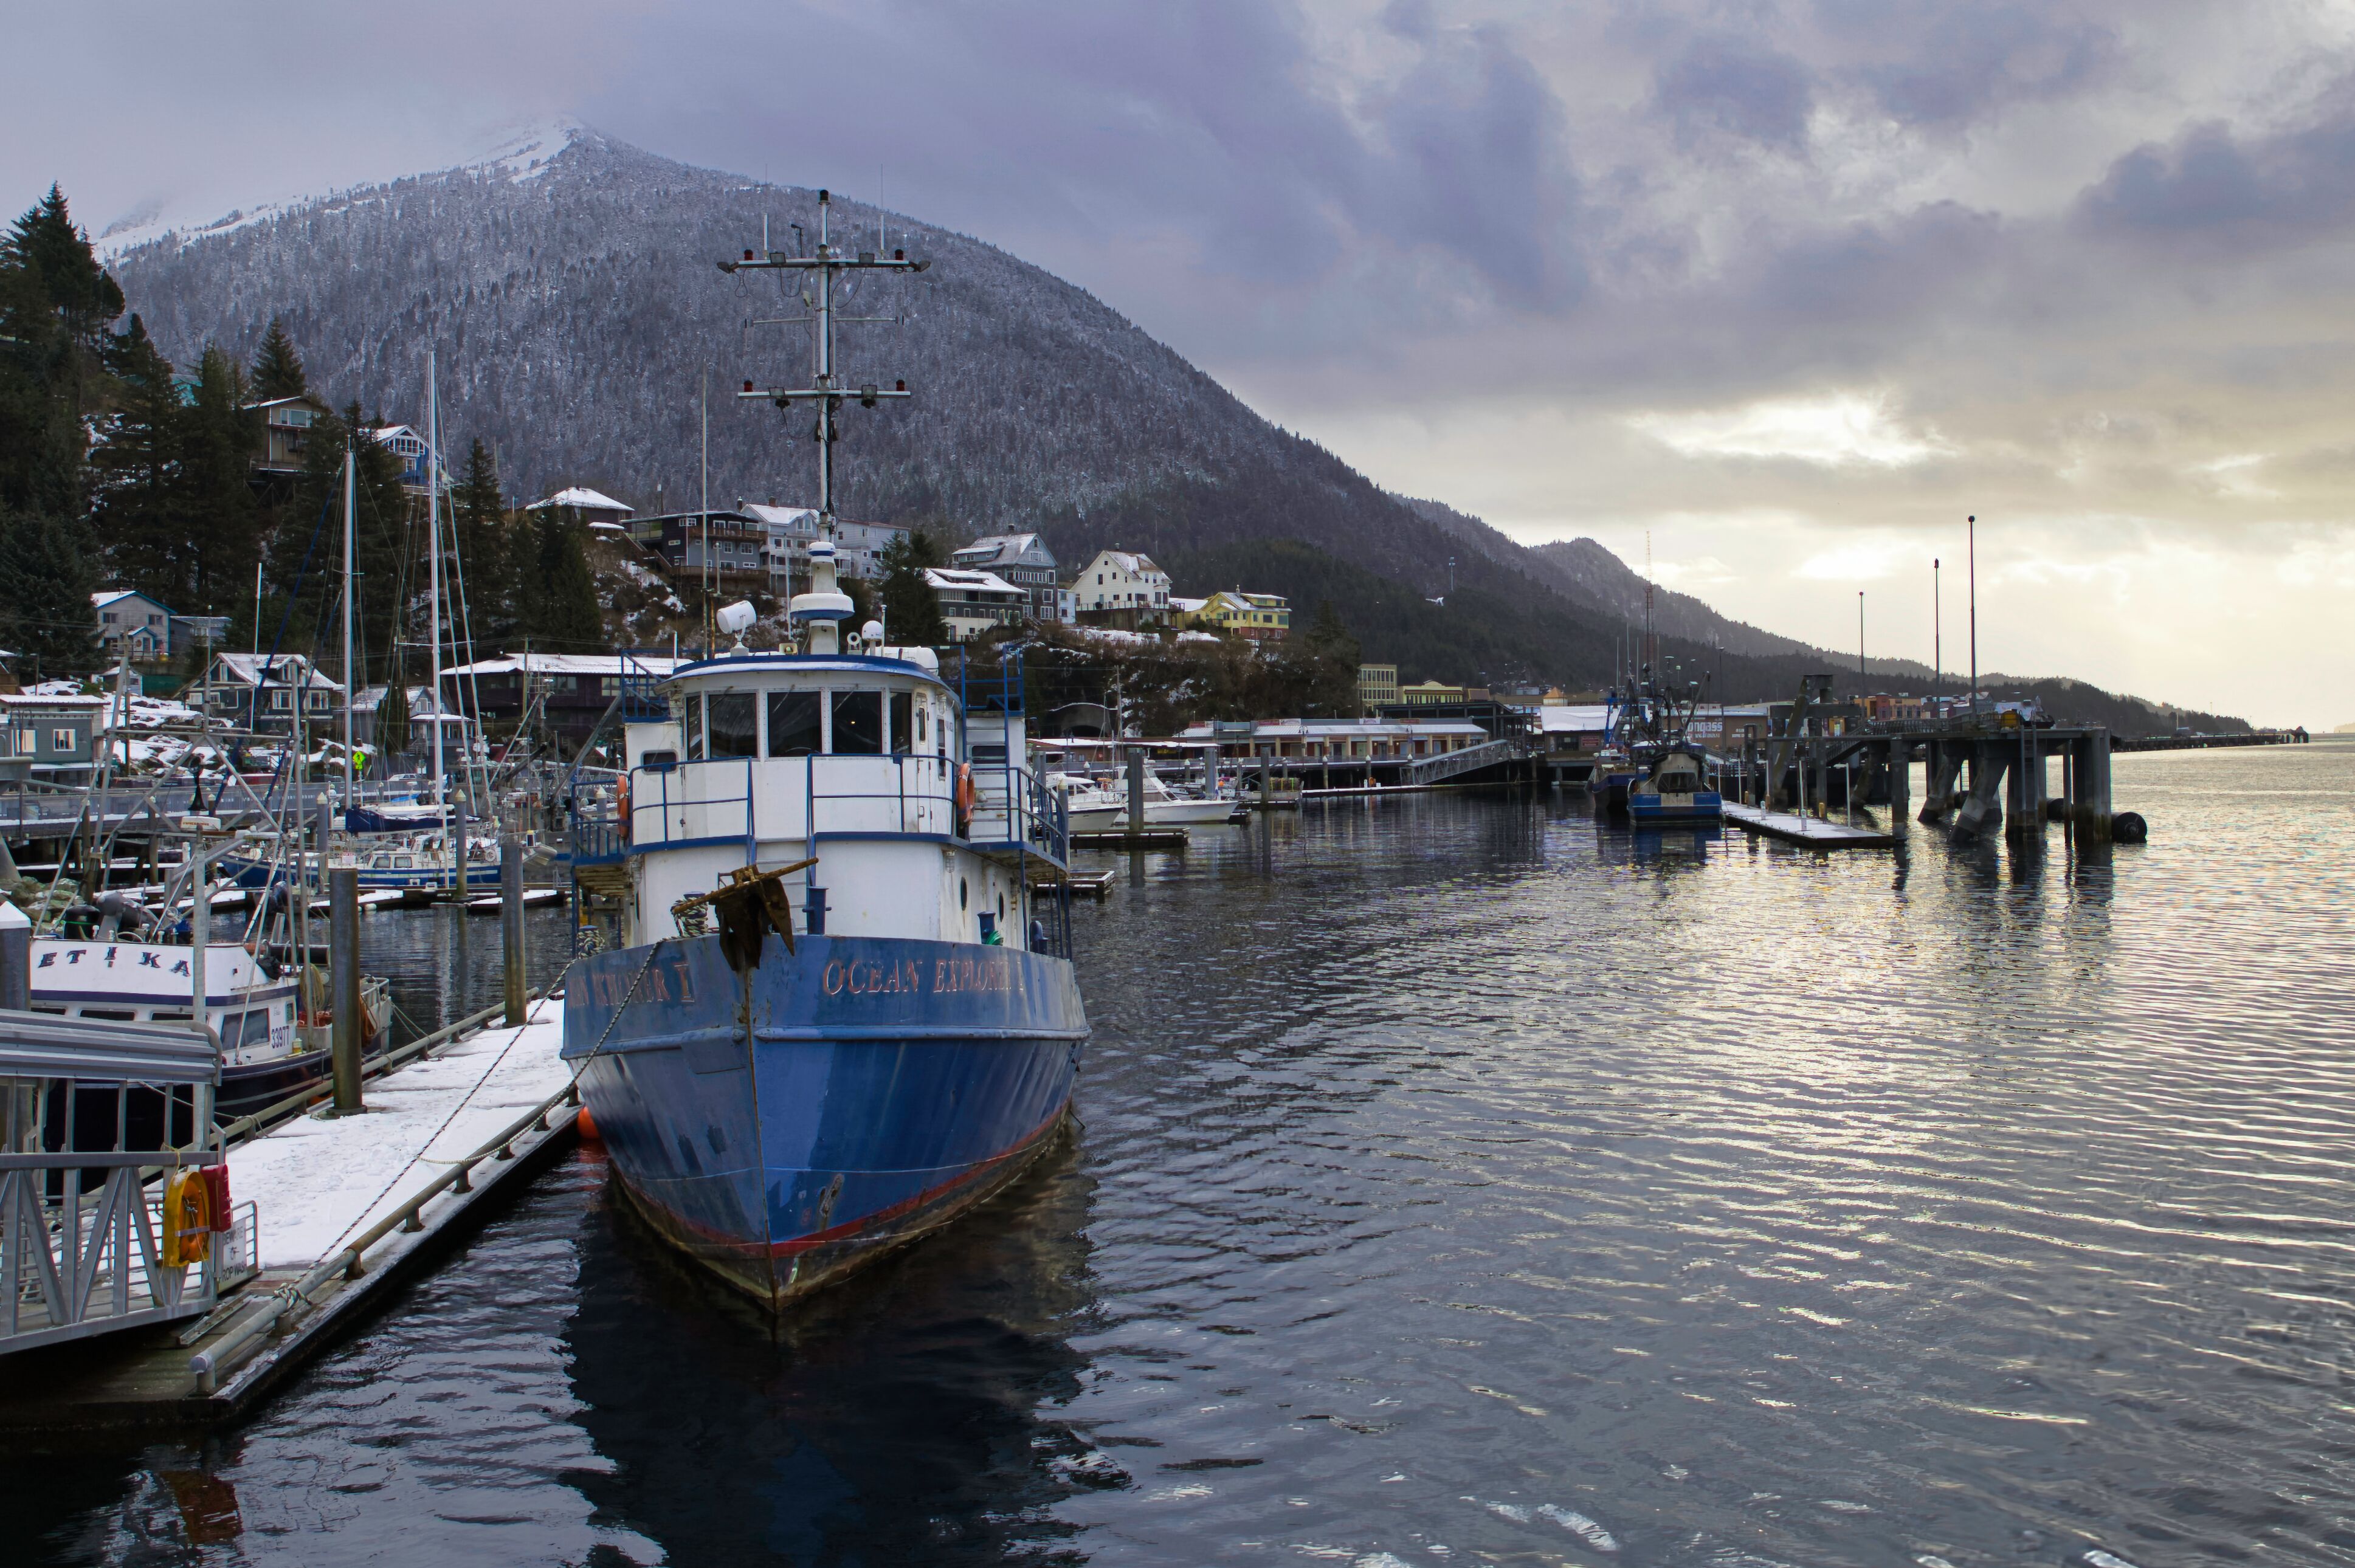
(61,740)
(281,698)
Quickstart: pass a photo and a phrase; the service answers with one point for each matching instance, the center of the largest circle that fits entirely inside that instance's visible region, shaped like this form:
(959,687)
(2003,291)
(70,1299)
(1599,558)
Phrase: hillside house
(591,506)
(130,623)
(258,691)
(744,552)
(48,736)
(1255,617)
(973,603)
(1121,589)
(407,446)
(286,425)
(1022,559)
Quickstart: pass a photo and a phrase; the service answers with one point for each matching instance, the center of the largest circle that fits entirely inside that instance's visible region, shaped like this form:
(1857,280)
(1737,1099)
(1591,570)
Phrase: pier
(330,1211)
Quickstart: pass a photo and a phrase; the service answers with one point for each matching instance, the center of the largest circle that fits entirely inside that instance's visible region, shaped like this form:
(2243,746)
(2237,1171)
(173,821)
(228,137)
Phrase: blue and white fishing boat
(840,1013)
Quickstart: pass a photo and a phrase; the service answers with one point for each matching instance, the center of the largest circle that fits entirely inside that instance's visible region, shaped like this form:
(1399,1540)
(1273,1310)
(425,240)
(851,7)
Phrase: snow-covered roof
(967,581)
(580,499)
(1572,719)
(653,664)
(52,699)
(1189,607)
(800,519)
(1134,562)
(277,669)
(105,597)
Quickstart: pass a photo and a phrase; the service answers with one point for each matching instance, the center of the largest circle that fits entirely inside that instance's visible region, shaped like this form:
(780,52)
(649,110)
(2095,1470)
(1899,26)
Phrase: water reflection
(903,1418)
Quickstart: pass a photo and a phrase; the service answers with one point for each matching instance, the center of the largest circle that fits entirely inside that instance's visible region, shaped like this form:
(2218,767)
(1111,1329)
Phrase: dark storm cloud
(1938,65)
(1724,86)
(2214,189)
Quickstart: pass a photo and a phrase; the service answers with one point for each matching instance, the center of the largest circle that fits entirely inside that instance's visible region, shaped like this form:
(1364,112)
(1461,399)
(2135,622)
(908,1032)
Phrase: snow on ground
(318,1182)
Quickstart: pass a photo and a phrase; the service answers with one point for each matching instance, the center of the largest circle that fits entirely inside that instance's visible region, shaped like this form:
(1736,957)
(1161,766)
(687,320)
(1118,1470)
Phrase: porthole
(960,892)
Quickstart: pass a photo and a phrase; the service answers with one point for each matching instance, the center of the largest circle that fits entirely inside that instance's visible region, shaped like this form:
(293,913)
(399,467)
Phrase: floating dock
(1794,828)
(344,1207)
(1151,839)
(1083,883)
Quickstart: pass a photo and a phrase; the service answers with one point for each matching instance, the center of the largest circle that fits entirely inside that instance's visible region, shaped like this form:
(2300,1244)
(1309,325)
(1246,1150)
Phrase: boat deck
(322,1187)
(1815,833)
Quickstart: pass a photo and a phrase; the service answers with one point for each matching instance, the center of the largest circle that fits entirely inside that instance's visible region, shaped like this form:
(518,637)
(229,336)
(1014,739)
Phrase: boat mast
(826,389)
(351,486)
(433,591)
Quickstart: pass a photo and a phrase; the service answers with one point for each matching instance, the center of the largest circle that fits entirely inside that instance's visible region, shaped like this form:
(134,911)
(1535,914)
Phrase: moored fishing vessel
(839,1014)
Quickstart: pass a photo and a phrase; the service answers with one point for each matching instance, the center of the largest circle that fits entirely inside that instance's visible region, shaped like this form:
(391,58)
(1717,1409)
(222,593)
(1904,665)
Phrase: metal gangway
(103,1128)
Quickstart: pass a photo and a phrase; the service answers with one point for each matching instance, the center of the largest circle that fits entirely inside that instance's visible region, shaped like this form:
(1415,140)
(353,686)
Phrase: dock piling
(511,925)
(344,961)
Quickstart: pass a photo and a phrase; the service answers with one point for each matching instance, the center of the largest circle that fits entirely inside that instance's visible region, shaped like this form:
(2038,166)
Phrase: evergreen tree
(56,303)
(392,717)
(479,523)
(911,607)
(1331,656)
(304,564)
(562,613)
(135,476)
(45,587)
(277,368)
(217,440)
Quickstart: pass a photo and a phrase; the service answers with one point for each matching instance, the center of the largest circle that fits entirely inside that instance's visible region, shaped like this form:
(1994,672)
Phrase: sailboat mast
(434,589)
(351,489)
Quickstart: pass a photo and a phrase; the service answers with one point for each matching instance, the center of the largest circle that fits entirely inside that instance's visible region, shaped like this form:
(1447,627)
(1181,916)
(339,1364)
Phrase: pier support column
(15,959)
(1982,809)
(1901,782)
(1137,790)
(344,971)
(2092,806)
(1944,773)
(511,953)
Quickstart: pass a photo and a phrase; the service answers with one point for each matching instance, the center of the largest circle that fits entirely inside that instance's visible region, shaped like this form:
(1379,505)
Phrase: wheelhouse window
(904,714)
(695,729)
(794,725)
(729,724)
(858,724)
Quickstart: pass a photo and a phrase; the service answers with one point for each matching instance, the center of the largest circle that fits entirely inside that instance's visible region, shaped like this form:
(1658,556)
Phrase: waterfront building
(49,736)
(574,689)
(1377,684)
(1338,739)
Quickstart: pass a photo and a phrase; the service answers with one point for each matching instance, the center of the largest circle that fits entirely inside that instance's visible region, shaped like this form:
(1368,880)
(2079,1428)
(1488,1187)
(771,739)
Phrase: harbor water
(1462,1181)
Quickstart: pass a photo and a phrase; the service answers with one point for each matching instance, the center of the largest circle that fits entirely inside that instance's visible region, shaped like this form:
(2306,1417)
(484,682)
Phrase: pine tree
(45,588)
(305,560)
(137,500)
(1332,657)
(392,718)
(217,439)
(911,607)
(562,610)
(277,368)
(55,304)
(482,537)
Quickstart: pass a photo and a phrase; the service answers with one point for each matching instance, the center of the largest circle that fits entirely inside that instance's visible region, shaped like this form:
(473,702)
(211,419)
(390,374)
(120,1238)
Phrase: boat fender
(2128,828)
(187,1219)
(965,797)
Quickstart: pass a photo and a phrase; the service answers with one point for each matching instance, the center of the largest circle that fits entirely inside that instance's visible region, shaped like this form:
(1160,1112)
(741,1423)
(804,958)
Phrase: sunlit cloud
(1842,428)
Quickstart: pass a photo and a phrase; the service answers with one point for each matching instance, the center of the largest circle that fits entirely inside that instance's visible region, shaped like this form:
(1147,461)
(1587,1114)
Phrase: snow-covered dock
(344,1206)
(1796,828)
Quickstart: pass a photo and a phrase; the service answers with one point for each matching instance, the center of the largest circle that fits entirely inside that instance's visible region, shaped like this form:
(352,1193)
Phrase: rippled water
(1460,1183)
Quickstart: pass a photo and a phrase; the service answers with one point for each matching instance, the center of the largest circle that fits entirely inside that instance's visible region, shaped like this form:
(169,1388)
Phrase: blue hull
(481,876)
(886,1086)
(1645,810)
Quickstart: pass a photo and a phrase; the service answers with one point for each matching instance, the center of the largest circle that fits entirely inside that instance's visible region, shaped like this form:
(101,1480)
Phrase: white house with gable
(1121,587)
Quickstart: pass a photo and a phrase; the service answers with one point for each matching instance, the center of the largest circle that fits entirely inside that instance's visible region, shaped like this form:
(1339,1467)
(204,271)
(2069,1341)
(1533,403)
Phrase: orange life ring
(623,802)
(187,1219)
(964,795)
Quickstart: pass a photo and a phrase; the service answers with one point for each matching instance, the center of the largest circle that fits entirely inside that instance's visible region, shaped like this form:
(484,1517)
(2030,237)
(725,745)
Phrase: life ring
(964,796)
(187,1219)
(622,806)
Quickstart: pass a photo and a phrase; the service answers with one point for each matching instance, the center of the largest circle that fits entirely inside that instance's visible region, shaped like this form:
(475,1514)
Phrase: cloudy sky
(1789,287)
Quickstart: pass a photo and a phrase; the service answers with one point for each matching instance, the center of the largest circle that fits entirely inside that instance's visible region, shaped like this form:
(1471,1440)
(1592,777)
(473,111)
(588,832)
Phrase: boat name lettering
(673,981)
(901,977)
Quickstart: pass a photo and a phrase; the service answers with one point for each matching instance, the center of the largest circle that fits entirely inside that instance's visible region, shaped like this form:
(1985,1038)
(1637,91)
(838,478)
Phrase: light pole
(1972,523)
(1937,642)
(1861,676)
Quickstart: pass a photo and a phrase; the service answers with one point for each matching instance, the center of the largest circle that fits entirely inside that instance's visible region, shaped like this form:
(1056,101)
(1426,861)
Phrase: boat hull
(1654,811)
(786,1125)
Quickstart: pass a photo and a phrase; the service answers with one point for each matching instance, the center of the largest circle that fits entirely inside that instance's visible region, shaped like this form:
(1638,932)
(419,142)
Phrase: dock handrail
(287,1305)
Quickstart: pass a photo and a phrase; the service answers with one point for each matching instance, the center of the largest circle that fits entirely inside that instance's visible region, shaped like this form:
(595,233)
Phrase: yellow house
(1261,617)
